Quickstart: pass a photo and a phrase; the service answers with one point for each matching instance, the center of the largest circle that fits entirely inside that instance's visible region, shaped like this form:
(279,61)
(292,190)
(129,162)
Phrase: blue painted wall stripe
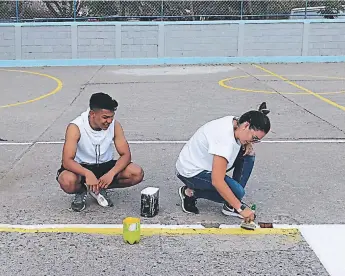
(170,61)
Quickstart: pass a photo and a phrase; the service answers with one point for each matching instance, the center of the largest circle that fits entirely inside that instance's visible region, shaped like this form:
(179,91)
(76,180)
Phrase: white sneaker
(102,198)
(230,211)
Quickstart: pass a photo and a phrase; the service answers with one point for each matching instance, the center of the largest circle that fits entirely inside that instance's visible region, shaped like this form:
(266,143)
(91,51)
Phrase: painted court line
(227,83)
(327,241)
(301,88)
(297,141)
(146,229)
(54,91)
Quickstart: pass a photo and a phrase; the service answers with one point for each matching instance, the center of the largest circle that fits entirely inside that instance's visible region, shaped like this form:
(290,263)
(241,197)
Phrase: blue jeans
(202,182)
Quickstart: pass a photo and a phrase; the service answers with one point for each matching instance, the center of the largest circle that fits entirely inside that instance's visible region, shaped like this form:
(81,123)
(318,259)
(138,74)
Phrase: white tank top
(94,147)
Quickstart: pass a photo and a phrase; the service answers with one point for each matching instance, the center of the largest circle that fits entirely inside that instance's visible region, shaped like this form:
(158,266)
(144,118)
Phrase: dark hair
(102,101)
(257,119)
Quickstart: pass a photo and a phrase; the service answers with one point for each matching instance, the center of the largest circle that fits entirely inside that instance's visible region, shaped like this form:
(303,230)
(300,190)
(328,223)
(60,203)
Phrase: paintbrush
(250,225)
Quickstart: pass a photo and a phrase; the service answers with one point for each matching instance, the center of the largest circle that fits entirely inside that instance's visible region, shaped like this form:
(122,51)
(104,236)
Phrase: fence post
(305,41)
(305,10)
(17,10)
(74,9)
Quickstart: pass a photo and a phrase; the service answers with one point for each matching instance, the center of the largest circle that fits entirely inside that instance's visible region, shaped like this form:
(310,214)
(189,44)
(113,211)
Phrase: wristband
(241,208)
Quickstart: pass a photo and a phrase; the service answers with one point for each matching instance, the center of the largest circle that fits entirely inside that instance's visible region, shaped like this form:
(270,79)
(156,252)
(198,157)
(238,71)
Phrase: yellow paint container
(131,230)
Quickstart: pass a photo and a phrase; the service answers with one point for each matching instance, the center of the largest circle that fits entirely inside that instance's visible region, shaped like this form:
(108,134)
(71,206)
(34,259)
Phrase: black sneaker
(78,203)
(188,204)
(230,211)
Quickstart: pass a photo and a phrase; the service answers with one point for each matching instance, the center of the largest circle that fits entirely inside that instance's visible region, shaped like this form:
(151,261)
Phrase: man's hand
(106,179)
(249,150)
(92,181)
(248,215)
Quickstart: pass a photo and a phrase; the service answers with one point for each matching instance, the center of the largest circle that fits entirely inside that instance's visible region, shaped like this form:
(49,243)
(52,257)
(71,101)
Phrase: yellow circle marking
(223,84)
(57,89)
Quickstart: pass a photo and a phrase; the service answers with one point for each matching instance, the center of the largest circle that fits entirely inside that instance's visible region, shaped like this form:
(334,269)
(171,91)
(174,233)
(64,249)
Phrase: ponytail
(257,119)
(263,108)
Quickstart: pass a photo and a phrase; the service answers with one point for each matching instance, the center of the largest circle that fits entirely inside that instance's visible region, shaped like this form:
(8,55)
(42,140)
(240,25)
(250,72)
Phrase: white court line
(54,226)
(101,226)
(328,243)
(15,144)
(175,142)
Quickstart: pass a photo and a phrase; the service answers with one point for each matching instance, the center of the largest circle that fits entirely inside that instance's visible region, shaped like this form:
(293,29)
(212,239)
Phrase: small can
(149,202)
(131,230)
(253,208)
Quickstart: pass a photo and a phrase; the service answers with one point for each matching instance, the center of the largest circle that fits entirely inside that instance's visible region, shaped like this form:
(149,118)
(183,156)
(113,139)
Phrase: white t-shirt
(214,138)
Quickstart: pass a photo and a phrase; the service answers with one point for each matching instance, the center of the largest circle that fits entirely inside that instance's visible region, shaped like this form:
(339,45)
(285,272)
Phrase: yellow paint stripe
(301,88)
(223,84)
(159,231)
(330,93)
(57,89)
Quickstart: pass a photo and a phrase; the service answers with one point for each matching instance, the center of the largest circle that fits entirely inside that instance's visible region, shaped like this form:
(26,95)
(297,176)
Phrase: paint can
(149,202)
(131,230)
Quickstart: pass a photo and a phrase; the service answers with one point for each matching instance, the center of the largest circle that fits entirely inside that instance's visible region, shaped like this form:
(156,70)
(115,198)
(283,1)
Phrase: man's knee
(132,175)
(69,182)
(137,174)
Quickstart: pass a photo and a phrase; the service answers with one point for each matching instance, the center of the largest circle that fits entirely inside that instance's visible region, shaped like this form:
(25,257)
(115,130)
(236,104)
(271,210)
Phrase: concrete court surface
(297,178)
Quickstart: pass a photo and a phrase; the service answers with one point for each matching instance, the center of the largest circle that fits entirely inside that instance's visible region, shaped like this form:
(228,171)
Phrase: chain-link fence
(126,10)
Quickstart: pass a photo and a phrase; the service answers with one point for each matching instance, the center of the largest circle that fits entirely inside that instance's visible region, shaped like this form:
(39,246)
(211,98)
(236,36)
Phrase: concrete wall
(137,40)
(7,43)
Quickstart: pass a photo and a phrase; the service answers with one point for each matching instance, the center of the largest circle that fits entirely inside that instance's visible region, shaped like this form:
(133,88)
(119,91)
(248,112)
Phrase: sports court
(297,180)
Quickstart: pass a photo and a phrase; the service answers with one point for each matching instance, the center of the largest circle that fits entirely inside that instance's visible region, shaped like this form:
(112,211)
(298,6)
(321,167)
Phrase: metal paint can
(149,202)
